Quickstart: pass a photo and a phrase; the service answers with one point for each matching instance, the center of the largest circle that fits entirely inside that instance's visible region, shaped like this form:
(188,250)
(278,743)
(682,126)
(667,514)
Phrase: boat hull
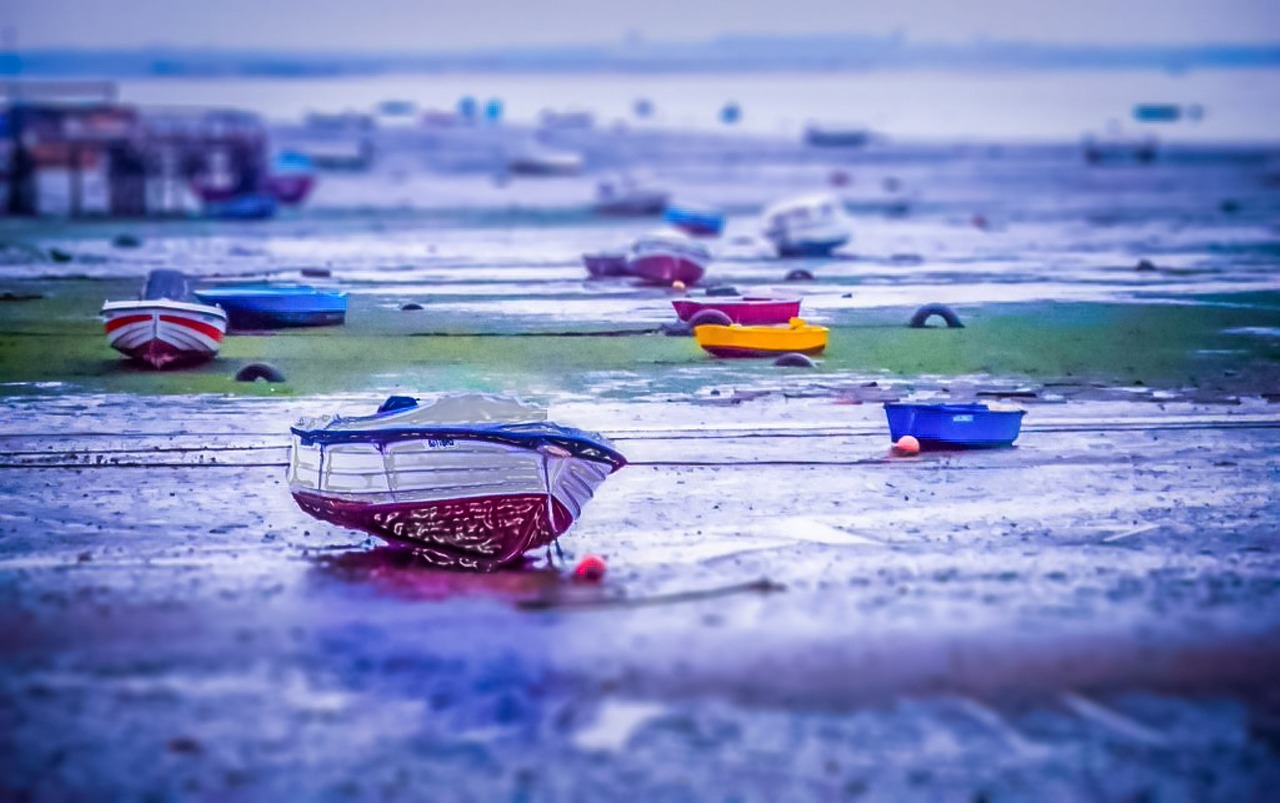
(760,341)
(605,264)
(466,500)
(809,248)
(745,311)
(666,268)
(164,334)
(277,310)
(478,534)
(954,426)
(695,223)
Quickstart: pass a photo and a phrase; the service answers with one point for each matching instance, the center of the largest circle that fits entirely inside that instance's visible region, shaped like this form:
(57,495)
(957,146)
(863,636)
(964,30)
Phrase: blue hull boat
(277,307)
(696,221)
(253,206)
(954,426)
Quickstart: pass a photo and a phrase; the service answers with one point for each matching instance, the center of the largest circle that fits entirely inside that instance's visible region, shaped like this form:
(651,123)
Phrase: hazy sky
(462,24)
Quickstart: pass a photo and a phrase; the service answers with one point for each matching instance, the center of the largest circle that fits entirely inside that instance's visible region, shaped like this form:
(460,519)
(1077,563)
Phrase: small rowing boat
(263,306)
(667,256)
(955,426)
(469,481)
(762,341)
(165,328)
(745,310)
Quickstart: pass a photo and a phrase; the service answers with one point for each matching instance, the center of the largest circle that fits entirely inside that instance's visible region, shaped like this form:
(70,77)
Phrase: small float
(469,481)
(165,328)
(695,220)
(667,256)
(799,337)
(264,306)
(808,225)
(744,310)
(955,426)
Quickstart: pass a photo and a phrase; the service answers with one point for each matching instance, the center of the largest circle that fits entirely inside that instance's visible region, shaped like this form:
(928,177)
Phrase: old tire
(795,360)
(926,312)
(798,275)
(709,317)
(259,370)
(723,290)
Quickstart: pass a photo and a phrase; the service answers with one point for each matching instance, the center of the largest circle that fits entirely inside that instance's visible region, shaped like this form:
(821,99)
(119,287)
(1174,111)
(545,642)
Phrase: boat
(695,220)
(955,426)
(249,206)
(468,481)
(606,263)
(629,197)
(263,306)
(545,162)
(745,310)
(836,135)
(666,256)
(292,178)
(798,337)
(808,225)
(165,328)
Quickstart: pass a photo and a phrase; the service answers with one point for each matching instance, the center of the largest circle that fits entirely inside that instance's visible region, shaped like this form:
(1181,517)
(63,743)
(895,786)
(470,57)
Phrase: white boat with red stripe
(162,329)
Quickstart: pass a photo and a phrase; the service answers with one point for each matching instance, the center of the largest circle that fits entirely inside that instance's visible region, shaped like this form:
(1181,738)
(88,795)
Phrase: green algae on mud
(1159,343)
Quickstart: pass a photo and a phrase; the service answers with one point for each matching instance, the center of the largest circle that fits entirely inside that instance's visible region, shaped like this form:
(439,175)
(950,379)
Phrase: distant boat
(469,482)
(265,306)
(1157,112)
(954,426)
(667,256)
(570,119)
(745,310)
(628,196)
(822,135)
(809,225)
(762,341)
(1116,149)
(545,162)
(250,206)
(606,263)
(292,178)
(165,328)
(695,220)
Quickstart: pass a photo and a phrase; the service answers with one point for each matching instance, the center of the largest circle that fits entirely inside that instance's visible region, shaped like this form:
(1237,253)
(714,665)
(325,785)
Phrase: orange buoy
(677,285)
(907,445)
(589,570)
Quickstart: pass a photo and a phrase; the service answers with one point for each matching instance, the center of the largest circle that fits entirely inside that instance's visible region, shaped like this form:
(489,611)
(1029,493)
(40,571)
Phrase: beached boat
(809,225)
(263,306)
(836,135)
(606,263)
(695,220)
(469,481)
(666,256)
(292,178)
(629,197)
(544,162)
(762,341)
(249,206)
(955,426)
(745,310)
(165,328)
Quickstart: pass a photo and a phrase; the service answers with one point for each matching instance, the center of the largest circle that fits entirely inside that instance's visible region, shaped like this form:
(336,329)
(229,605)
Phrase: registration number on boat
(439,443)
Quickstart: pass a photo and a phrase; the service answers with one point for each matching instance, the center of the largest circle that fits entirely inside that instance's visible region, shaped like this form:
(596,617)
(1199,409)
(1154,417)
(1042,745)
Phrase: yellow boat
(762,341)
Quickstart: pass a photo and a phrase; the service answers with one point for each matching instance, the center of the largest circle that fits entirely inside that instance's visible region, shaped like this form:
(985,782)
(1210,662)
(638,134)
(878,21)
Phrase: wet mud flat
(789,613)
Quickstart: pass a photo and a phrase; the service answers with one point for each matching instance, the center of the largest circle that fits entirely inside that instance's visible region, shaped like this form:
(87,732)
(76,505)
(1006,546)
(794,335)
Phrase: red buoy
(589,570)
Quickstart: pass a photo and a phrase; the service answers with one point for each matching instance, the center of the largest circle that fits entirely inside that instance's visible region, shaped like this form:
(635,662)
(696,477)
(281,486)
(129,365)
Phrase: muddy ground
(789,613)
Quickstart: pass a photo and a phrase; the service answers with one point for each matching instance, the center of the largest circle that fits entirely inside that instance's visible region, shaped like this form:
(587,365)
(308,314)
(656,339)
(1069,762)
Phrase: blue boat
(251,206)
(696,221)
(954,426)
(265,306)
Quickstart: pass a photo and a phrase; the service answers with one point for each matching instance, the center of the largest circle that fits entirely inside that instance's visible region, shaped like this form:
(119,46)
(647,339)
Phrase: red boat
(162,329)
(746,310)
(666,257)
(606,263)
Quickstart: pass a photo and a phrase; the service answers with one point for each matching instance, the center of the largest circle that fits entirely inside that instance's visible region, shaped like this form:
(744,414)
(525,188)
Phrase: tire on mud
(922,316)
(709,317)
(259,370)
